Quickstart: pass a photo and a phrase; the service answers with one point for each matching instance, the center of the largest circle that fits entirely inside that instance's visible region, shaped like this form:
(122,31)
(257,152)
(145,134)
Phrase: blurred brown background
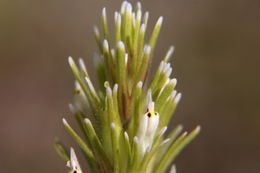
(216,62)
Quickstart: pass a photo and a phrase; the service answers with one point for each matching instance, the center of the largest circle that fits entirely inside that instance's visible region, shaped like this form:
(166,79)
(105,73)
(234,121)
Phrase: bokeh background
(216,61)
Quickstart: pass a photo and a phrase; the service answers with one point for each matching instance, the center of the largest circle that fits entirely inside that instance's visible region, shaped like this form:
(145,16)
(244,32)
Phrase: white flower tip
(87,121)
(168,71)
(123,6)
(104,13)
(136,140)
(121,45)
(105,45)
(126,136)
(173,94)
(126,58)
(139,5)
(173,81)
(146,15)
(115,89)
(197,129)
(70,60)
(129,8)
(139,14)
(95,29)
(90,85)
(165,141)
(159,21)
(163,130)
(65,123)
(82,64)
(142,28)
(171,49)
(178,98)
(108,91)
(115,15)
(147,49)
(173,169)
(113,125)
(139,84)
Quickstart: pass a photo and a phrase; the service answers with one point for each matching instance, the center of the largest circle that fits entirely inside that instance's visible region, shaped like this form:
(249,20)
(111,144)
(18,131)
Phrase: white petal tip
(136,140)
(178,98)
(64,121)
(140,84)
(113,125)
(120,45)
(126,135)
(87,121)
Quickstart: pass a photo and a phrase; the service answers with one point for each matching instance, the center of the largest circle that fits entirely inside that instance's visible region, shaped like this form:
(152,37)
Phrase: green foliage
(123,123)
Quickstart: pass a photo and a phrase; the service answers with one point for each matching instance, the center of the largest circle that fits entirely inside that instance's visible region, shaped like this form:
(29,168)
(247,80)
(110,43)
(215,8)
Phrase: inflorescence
(123,123)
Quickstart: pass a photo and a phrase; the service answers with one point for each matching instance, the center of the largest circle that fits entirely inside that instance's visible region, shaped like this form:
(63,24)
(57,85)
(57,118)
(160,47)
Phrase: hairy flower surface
(123,122)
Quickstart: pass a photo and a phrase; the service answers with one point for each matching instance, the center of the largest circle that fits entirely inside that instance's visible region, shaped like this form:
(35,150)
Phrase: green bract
(123,123)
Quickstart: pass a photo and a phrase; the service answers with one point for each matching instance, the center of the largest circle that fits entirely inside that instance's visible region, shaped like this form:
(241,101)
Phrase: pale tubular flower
(173,169)
(73,163)
(147,127)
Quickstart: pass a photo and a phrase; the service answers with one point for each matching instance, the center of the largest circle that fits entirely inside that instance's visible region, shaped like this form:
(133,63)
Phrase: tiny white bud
(146,16)
(105,45)
(173,82)
(173,169)
(161,66)
(177,98)
(159,21)
(115,89)
(121,45)
(113,125)
(70,60)
(136,140)
(126,58)
(64,122)
(165,141)
(138,15)
(126,136)
(87,121)
(104,13)
(139,84)
(90,85)
(82,65)
(169,53)
(108,92)
(96,30)
(139,5)
(115,16)
(163,130)
(143,28)
(123,7)
(173,94)
(168,72)
(129,8)
(147,49)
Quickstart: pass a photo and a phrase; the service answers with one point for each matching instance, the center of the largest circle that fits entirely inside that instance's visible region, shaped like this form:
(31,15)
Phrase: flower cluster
(123,123)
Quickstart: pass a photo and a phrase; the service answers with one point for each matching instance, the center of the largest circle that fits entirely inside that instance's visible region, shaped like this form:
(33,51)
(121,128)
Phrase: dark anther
(149,115)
